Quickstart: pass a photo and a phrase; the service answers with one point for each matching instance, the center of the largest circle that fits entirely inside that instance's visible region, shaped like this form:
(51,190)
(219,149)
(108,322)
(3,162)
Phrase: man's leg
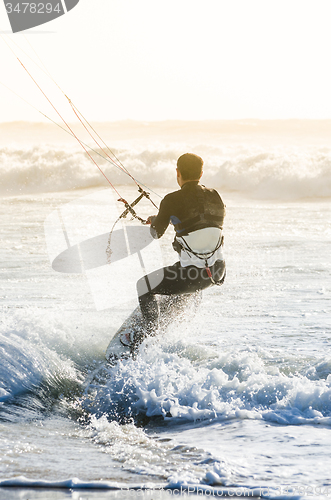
(173,281)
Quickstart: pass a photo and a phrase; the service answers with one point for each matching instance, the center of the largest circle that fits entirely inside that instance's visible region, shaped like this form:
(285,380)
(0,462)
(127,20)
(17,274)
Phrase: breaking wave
(287,173)
(182,382)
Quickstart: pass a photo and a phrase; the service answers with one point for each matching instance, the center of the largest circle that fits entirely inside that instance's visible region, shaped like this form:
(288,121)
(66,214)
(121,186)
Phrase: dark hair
(190,166)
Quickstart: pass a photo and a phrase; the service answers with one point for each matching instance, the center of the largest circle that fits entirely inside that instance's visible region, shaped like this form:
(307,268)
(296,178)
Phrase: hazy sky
(176,59)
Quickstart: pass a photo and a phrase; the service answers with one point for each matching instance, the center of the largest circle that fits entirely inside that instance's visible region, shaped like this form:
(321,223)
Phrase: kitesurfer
(197,214)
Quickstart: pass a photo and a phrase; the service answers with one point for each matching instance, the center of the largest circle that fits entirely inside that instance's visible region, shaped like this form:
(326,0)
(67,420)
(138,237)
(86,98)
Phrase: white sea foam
(237,385)
(178,485)
(170,379)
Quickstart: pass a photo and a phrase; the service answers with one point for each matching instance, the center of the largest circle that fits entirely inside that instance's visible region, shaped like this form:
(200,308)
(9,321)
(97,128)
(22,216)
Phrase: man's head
(189,168)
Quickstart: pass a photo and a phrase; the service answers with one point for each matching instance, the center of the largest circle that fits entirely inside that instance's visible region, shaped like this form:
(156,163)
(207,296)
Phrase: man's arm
(160,222)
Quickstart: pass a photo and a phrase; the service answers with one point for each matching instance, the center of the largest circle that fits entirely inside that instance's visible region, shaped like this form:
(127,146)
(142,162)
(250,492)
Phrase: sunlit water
(236,396)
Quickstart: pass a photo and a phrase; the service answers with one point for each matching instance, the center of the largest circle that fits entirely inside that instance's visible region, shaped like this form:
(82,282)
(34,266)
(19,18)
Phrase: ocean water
(233,398)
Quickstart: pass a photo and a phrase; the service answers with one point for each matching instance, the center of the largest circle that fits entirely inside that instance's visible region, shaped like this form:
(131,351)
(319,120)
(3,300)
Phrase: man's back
(191,208)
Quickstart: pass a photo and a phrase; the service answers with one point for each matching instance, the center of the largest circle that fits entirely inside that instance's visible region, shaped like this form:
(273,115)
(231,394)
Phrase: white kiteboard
(120,346)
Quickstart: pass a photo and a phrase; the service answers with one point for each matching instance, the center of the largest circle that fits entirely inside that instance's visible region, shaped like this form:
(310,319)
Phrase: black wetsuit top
(191,208)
